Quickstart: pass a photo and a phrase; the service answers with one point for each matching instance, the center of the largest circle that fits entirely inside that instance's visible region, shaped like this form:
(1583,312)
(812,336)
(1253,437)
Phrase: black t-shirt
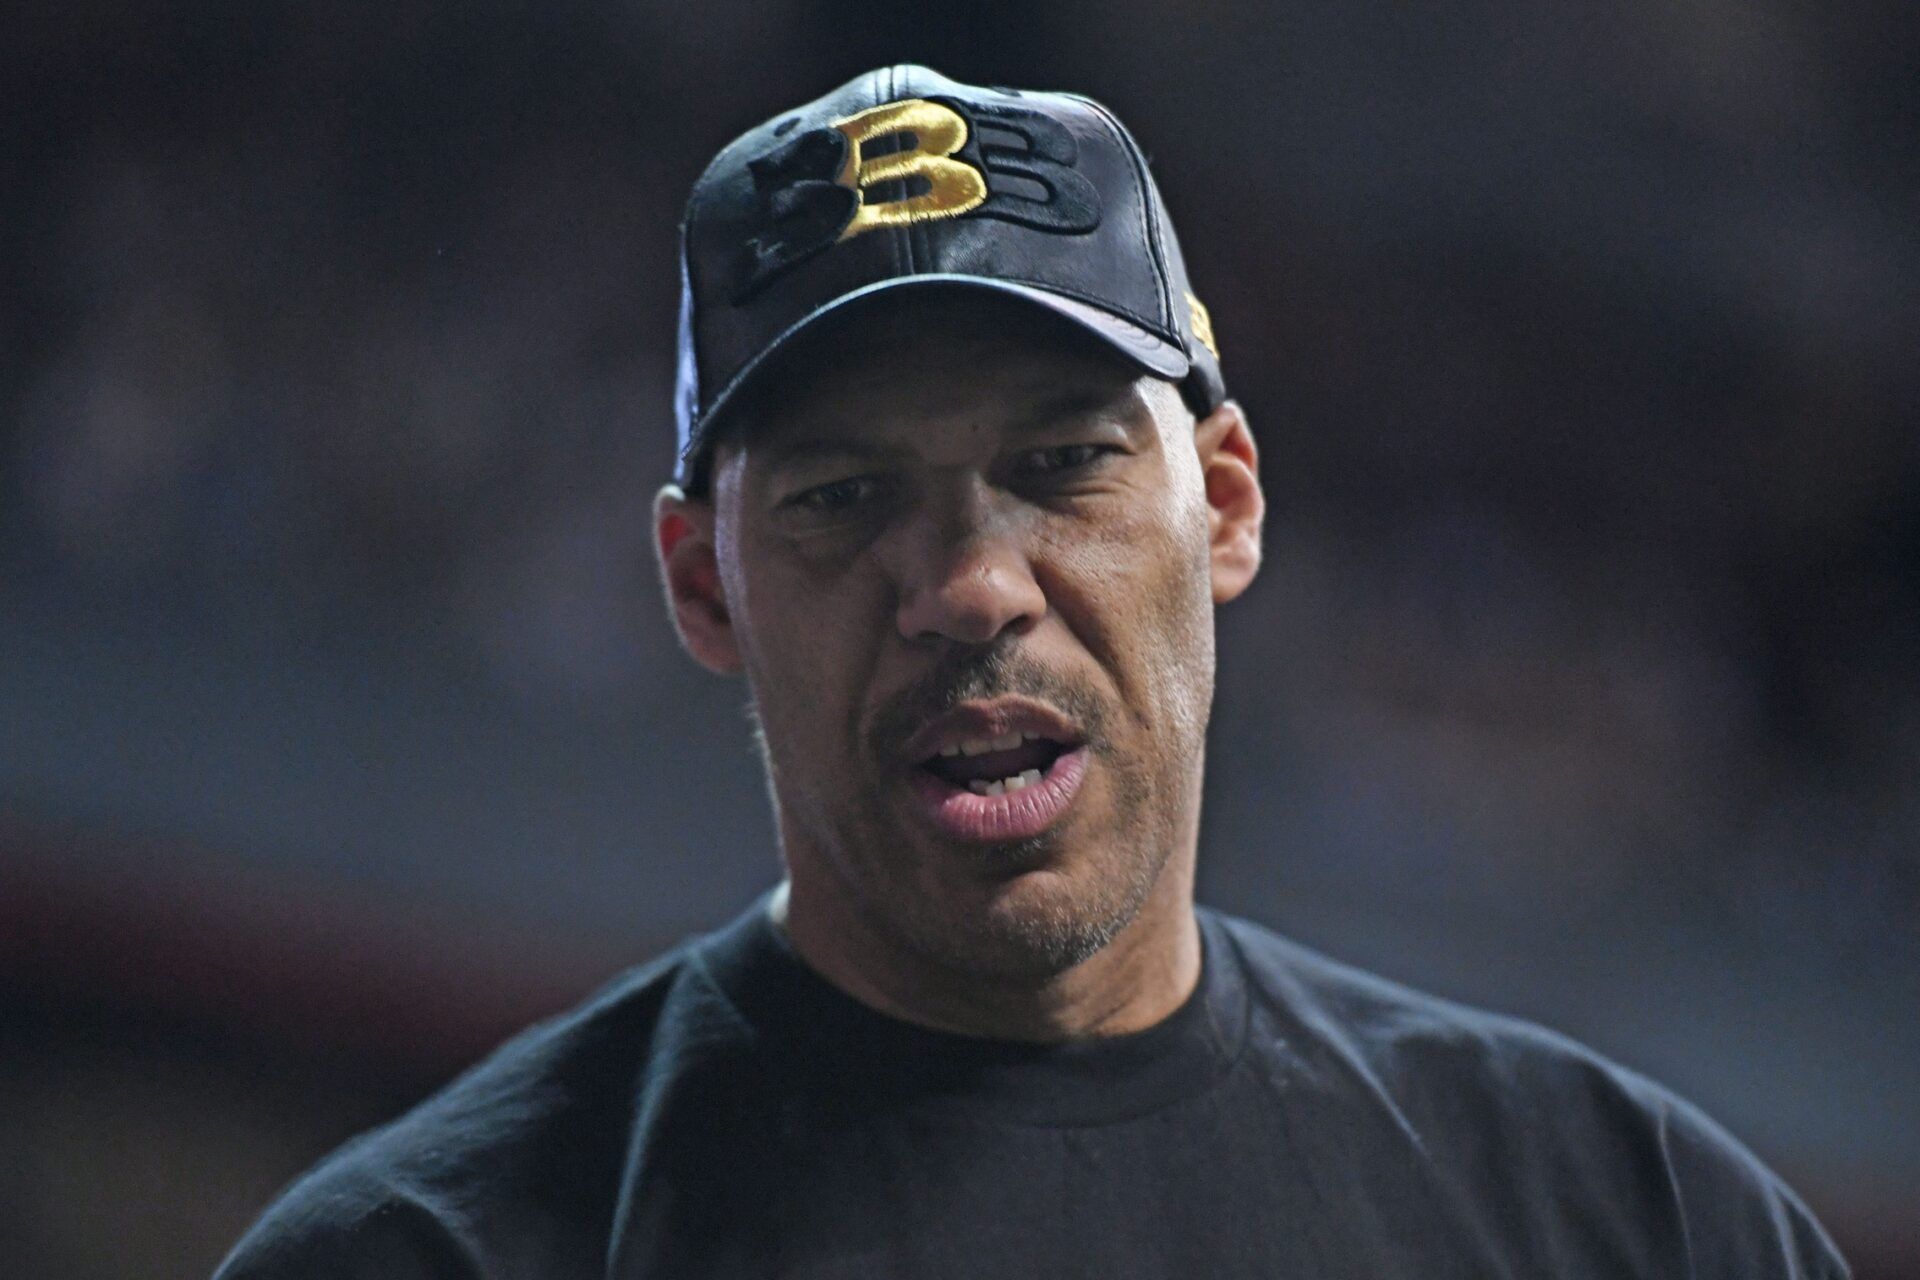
(725,1111)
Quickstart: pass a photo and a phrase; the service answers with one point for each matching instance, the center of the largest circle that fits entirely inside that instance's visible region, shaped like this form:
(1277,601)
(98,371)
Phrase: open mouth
(1018,761)
(1008,792)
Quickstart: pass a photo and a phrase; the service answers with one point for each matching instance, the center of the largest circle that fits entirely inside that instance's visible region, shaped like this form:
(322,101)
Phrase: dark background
(342,730)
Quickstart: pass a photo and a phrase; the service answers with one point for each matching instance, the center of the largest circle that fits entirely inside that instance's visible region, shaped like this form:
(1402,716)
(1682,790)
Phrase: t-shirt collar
(831,1041)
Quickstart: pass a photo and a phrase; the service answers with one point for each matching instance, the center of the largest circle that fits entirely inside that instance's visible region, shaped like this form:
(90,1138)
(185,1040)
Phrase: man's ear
(1236,508)
(690,573)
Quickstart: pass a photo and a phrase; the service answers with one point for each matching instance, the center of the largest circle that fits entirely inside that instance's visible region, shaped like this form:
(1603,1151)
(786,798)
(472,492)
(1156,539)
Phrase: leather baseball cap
(902,178)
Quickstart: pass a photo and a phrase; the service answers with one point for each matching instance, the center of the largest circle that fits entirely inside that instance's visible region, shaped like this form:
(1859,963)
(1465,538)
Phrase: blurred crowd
(1577,342)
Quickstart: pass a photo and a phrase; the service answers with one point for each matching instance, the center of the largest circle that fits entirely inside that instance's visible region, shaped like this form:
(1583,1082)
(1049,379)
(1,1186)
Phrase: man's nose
(965,573)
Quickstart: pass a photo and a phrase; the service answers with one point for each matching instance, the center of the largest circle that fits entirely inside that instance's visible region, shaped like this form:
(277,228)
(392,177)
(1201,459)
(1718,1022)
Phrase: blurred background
(343,732)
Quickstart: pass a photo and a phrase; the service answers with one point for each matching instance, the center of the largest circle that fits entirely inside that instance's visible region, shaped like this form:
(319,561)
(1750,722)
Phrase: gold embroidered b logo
(953,186)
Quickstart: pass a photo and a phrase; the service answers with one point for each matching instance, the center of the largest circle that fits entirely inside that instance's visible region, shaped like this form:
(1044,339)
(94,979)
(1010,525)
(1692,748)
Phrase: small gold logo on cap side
(1202,324)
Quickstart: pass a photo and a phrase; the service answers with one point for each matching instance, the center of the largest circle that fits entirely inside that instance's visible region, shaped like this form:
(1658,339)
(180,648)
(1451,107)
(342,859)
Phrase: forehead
(895,376)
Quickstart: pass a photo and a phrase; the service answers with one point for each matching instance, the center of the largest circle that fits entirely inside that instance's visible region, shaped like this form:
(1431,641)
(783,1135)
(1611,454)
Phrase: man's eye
(1073,457)
(827,499)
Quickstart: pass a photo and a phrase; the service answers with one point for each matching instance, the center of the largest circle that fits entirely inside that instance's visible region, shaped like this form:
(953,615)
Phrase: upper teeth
(980,746)
(1005,786)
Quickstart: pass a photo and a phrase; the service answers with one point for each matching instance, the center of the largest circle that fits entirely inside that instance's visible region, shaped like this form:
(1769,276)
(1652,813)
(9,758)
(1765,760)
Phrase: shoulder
(345,1220)
(1412,1045)
(514,1149)
(1503,1101)
(1342,1018)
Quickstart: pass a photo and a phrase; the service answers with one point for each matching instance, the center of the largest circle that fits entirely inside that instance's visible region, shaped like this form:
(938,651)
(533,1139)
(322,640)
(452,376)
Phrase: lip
(962,815)
(994,719)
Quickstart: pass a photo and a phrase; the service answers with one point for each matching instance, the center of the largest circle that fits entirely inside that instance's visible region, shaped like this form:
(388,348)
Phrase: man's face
(988,503)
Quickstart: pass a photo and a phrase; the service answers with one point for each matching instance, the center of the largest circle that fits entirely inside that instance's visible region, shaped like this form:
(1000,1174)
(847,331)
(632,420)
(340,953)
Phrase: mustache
(967,675)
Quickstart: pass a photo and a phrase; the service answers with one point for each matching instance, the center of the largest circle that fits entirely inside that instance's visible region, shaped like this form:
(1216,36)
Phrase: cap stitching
(902,237)
(1131,150)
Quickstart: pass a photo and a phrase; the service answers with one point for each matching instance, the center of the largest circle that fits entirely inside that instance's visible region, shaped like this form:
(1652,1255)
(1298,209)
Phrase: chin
(1036,925)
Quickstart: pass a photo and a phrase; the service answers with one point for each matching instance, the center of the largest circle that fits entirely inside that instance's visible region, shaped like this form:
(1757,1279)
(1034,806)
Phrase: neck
(1137,979)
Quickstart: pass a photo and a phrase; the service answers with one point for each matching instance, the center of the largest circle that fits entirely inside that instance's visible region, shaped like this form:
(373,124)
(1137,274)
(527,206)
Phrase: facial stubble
(1037,914)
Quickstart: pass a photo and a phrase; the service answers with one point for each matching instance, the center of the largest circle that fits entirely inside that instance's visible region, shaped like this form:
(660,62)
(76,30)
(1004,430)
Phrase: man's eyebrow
(785,452)
(1076,405)
(790,452)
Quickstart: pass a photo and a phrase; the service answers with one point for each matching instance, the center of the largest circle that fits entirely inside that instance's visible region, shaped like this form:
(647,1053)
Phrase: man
(959,490)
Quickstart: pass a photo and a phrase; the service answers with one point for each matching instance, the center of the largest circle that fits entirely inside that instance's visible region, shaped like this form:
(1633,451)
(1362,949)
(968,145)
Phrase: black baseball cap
(903,178)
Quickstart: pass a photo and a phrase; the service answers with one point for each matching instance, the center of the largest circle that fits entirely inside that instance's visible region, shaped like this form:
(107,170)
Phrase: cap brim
(1151,352)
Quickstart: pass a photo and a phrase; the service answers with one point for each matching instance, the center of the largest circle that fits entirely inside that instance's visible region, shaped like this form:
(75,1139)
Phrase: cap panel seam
(1138,165)
(903,235)
(924,251)
(1161,273)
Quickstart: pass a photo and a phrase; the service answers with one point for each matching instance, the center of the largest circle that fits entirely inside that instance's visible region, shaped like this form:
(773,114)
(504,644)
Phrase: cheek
(810,651)
(1145,610)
